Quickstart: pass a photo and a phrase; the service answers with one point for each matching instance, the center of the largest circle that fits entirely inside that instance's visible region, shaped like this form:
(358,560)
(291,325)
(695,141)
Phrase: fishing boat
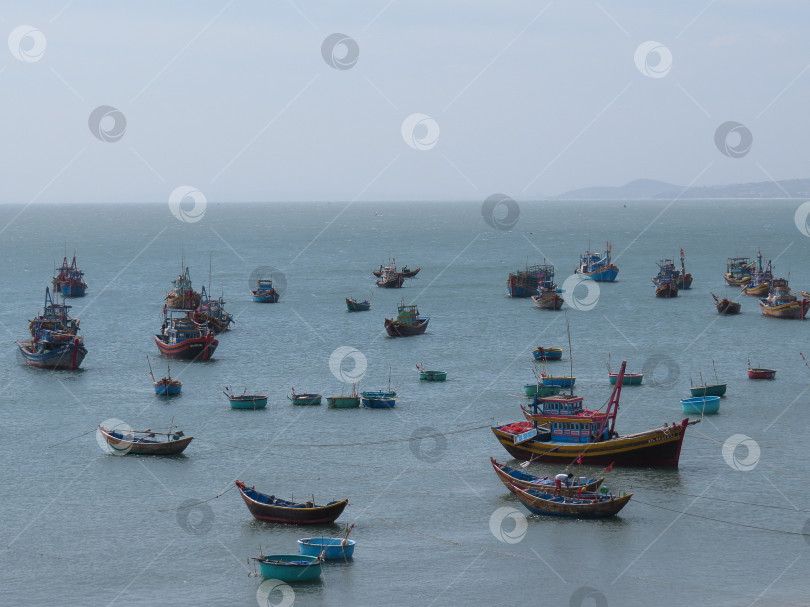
(683,279)
(351,401)
(409,273)
(264,291)
(357,306)
(538,389)
(665,284)
(305,398)
(212,312)
(548,295)
(597,266)
(290,567)
(55,342)
(761,278)
(542,353)
(145,442)
(378,400)
(738,271)
(513,476)
(559,381)
(69,280)
(425,375)
(591,505)
(331,548)
(593,439)
(725,306)
(525,283)
(408,322)
(181,337)
(761,372)
(780,303)
(165,386)
(701,405)
(245,400)
(183,296)
(715,389)
(271,509)
(390,281)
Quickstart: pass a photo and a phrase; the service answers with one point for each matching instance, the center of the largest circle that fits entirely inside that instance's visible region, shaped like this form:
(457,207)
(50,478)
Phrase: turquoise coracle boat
(701,405)
(331,547)
(289,567)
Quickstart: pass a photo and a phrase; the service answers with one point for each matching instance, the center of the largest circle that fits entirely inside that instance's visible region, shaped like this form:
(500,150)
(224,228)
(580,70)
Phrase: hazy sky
(437,100)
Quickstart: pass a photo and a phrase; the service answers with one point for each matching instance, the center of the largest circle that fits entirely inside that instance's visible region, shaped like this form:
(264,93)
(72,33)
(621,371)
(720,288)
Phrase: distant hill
(650,189)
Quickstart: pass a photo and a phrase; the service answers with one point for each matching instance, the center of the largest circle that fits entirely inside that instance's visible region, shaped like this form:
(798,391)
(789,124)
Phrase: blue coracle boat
(331,547)
(701,404)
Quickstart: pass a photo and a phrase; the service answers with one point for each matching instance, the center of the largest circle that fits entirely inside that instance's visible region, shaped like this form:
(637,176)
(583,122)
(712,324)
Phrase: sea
(433,525)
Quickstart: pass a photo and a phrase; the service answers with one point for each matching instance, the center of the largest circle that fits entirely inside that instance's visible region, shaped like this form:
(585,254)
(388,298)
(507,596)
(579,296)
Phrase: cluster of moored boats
(755,278)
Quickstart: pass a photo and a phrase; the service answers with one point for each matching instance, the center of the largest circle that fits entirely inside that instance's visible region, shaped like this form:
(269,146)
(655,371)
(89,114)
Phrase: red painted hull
(198,348)
(761,373)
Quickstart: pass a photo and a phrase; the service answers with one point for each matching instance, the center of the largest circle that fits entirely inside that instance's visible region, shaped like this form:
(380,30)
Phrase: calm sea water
(433,524)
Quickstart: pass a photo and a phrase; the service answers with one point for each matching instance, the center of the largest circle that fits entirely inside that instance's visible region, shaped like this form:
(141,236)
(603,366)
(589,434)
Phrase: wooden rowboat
(145,442)
(590,505)
(246,401)
(512,476)
(761,373)
(305,398)
(357,306)
(270,509)
(725,306)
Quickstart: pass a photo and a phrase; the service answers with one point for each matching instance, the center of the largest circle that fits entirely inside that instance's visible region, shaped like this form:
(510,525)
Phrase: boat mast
(570,354)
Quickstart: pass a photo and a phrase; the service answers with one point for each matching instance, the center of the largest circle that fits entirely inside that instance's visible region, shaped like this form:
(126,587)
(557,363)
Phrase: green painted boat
(540,390)
(713,390)
(343,402)
(305,399)
(630,379)
(289,567)
(433,375)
